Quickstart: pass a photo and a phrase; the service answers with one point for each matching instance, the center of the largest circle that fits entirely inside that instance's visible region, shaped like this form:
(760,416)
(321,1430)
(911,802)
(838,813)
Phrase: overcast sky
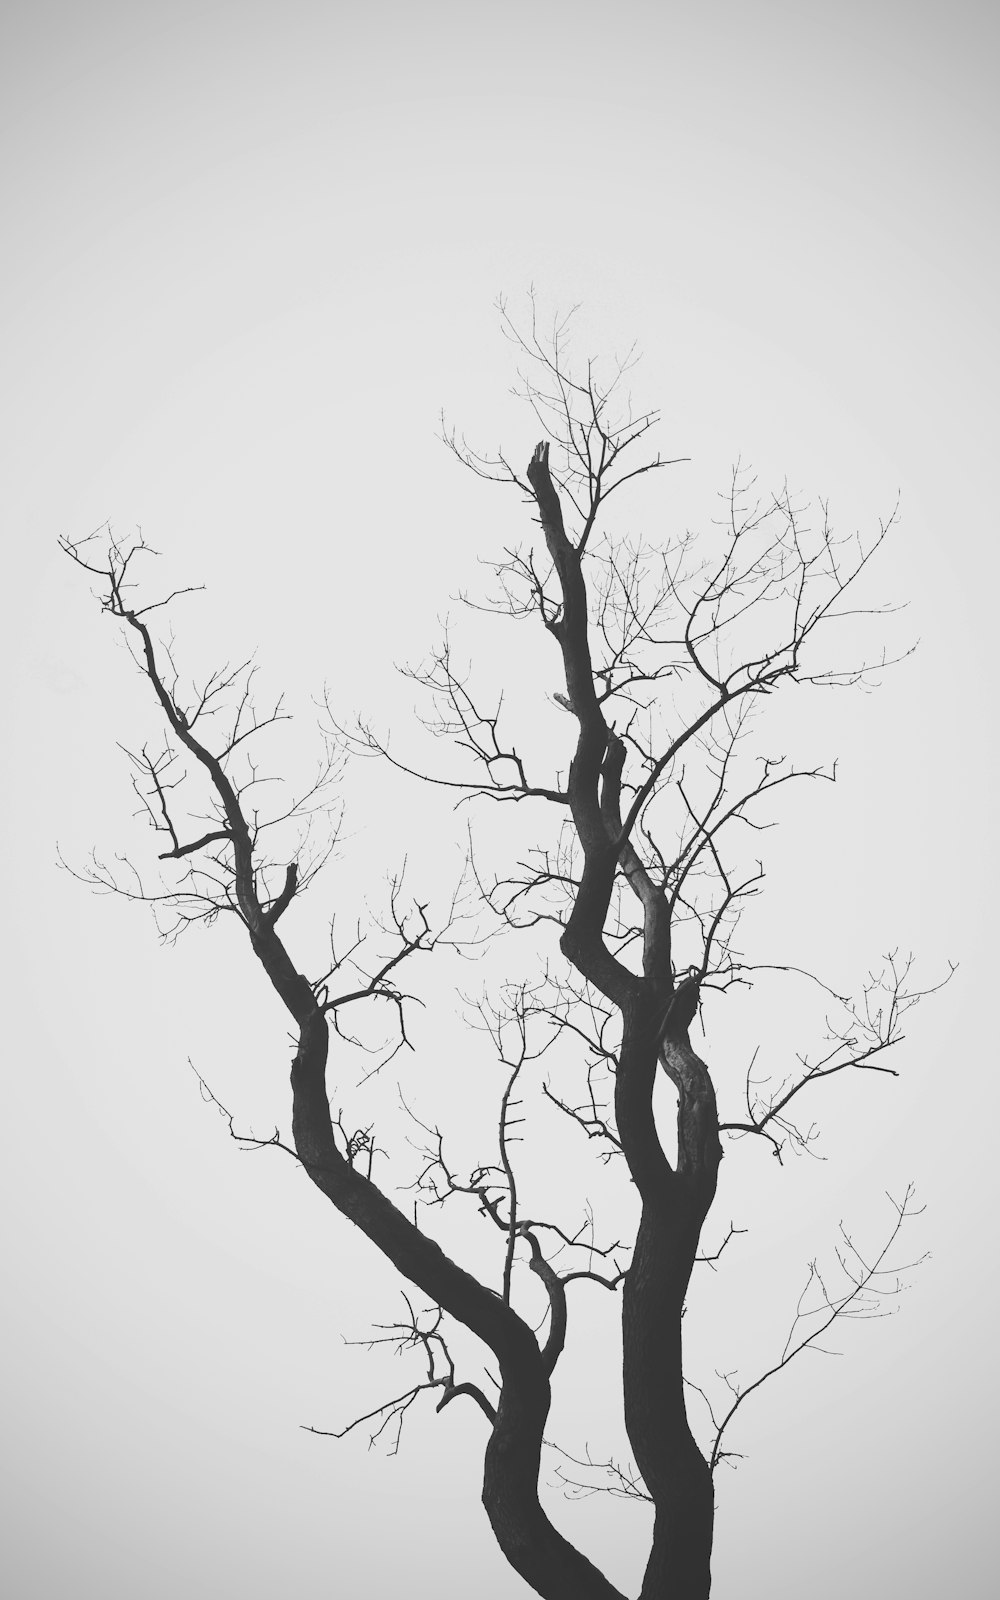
(251,253)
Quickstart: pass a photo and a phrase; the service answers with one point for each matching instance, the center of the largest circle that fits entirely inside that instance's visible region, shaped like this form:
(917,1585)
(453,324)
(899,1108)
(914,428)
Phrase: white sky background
(251,252)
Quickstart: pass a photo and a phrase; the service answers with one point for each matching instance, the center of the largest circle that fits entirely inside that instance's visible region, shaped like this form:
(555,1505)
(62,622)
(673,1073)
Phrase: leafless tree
(629,900)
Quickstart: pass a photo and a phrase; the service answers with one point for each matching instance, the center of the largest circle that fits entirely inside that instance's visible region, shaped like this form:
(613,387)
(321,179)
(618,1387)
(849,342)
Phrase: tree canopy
(608,934)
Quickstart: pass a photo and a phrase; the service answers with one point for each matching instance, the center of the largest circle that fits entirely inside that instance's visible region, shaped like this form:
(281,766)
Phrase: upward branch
(547,1561)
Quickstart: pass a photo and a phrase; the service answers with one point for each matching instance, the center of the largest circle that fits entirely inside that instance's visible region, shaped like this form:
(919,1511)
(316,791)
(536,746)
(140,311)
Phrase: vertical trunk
(674,1470)
(656,1015)
(675,1202)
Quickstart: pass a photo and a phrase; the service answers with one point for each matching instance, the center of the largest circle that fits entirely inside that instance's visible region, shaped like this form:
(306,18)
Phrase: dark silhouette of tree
(630,901)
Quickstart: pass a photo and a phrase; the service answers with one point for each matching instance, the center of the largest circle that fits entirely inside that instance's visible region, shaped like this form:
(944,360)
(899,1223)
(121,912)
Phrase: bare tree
(638,872)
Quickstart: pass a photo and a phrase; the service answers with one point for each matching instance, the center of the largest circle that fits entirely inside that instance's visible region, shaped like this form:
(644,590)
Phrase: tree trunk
(675,1202)
(673,1468)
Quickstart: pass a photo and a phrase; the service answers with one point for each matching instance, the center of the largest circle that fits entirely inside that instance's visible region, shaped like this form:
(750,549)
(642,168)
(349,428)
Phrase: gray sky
(251,252)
